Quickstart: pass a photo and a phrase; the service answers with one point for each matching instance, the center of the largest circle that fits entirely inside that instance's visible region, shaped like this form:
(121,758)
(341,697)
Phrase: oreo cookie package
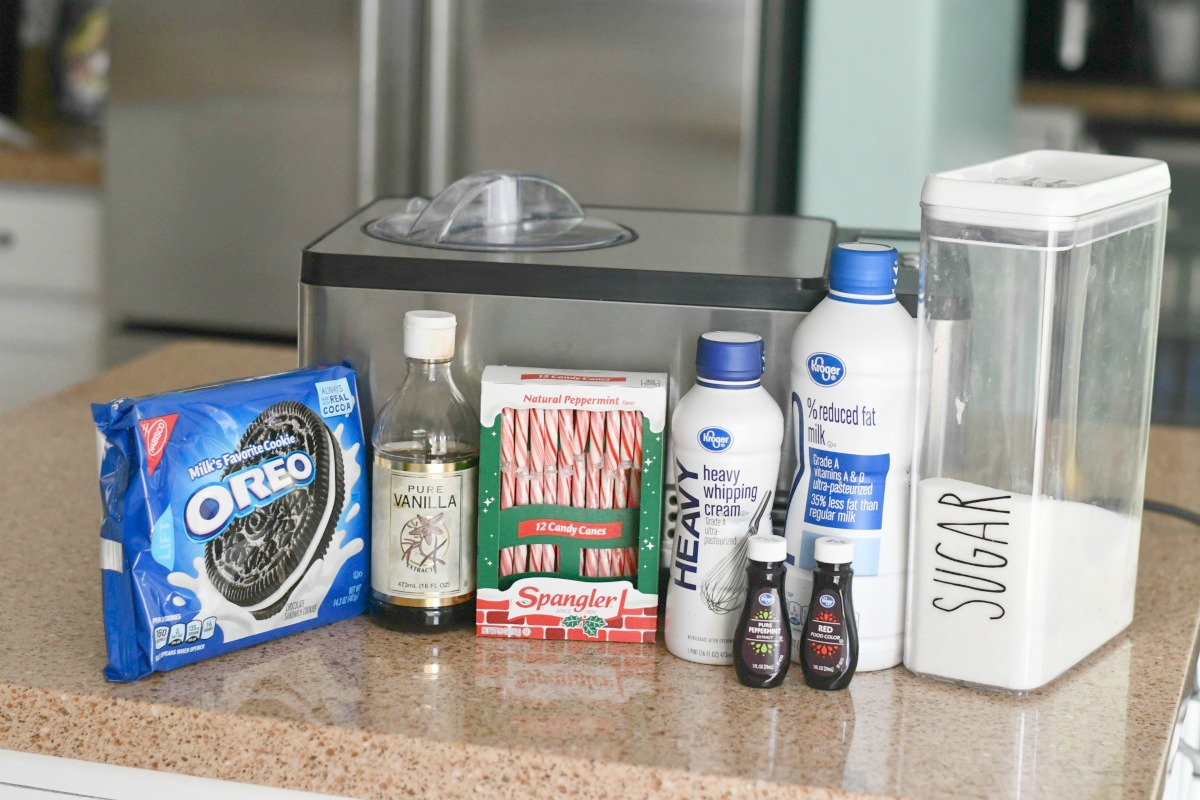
(233,514)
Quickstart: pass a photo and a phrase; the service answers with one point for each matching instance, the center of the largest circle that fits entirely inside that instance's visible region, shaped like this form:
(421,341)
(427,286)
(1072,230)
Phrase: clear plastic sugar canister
(1037,320)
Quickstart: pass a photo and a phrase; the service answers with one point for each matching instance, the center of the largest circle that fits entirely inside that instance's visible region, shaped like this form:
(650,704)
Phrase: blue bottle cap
(729,356)
(863,268)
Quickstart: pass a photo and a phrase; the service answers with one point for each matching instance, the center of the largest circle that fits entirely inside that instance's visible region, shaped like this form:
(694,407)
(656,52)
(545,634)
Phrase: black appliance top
(677,257)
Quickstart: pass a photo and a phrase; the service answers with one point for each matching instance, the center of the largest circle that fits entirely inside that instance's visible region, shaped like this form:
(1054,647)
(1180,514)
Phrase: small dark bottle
(762,642)
(829,643)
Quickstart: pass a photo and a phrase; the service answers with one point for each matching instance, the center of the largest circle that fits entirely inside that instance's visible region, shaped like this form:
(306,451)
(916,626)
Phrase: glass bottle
(426,463)
(762,644)
(829,643)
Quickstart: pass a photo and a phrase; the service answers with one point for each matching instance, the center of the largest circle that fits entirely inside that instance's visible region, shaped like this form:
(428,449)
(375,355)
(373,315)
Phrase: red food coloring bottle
(829,643)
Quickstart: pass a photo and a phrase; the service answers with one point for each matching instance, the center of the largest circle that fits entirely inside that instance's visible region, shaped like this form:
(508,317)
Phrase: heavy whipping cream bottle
(853,388)
(727,435)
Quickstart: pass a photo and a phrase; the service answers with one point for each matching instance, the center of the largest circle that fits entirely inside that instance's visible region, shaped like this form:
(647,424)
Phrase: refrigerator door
(238,131)
(622,101)
(230,141)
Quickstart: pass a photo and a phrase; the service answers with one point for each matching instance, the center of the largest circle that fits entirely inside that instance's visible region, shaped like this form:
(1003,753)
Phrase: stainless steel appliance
(637,300)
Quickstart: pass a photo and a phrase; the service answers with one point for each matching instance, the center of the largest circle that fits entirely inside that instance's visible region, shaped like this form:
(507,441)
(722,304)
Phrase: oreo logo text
(716,440)
(210,509)
(825,369)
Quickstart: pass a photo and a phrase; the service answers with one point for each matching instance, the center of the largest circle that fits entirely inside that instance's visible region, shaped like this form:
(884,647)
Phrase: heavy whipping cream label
(727,453)
(720,501)
(423,526)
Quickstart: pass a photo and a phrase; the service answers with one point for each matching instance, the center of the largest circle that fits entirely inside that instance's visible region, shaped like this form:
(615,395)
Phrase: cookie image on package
(260,558)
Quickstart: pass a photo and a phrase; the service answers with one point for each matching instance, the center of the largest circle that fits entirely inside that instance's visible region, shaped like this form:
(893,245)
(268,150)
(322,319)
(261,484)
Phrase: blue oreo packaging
(233,514)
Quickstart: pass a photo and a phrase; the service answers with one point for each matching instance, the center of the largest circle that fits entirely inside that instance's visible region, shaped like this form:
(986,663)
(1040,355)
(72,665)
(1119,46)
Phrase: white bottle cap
(767,547)
(429,335)
(834,551)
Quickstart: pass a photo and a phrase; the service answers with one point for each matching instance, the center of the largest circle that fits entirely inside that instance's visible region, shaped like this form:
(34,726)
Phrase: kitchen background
(163,164)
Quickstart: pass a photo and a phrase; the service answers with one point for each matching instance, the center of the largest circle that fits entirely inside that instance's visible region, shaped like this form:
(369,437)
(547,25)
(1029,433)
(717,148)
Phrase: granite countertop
(356,710)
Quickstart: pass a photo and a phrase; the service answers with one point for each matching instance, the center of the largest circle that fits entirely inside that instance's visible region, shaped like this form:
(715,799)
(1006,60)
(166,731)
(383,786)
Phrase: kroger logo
(766,599)
(825,370)
(826,601)
(715,439)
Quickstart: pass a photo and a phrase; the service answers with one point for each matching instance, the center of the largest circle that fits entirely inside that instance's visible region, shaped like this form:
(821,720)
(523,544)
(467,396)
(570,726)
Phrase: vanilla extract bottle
(426,464)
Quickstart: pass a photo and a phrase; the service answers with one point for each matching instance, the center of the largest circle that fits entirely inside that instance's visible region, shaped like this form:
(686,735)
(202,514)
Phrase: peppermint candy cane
(507,463)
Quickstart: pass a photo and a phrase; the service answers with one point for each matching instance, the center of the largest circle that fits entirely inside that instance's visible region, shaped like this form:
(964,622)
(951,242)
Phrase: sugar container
(1038,314)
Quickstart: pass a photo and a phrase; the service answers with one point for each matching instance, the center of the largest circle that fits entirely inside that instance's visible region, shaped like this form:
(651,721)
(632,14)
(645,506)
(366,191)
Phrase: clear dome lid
(500,211)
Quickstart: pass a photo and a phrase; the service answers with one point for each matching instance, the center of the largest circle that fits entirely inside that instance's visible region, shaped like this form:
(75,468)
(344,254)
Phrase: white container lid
(829,550)
(766,548)
(429,335)
(1046,183)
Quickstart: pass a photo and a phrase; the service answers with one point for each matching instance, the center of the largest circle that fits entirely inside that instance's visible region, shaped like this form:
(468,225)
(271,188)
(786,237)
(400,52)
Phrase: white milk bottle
(727,434)
(853,387)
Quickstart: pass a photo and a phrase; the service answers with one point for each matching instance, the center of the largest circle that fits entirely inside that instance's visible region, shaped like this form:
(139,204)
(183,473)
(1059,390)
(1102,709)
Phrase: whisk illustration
(724,589)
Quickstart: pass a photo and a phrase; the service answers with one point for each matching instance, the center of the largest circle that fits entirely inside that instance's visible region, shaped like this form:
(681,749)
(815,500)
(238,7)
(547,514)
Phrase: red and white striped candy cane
(566,455)
(522,456)
(591,563)
(535,558)
(595,457)
(507,465)
(608,567)
(537,454)
(550,476)
(624,473)
(506,562)
(612,453)
(635,479)
(520,558)
(579,482)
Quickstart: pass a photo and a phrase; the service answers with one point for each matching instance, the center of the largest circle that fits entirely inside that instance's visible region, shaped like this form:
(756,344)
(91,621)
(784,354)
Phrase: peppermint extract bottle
(727,437)
(426,443)
(762,643)
(853,392)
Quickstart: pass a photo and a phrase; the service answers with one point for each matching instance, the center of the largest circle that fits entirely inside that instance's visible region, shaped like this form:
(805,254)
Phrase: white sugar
(1009,591)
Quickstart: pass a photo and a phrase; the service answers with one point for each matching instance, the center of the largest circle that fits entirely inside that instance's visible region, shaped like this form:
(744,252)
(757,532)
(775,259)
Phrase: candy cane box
(570,504)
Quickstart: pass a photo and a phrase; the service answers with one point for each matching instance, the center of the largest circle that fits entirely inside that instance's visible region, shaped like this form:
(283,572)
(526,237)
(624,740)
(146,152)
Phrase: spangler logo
(716,440)
(210,510)
(825,369)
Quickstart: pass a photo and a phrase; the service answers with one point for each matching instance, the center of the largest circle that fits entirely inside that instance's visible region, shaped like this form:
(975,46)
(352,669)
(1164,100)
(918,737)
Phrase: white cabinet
(50,238)
(26,776)
(51,319)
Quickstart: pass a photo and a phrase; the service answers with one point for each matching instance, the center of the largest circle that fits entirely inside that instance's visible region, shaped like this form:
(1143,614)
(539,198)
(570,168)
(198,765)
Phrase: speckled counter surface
(355,710)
